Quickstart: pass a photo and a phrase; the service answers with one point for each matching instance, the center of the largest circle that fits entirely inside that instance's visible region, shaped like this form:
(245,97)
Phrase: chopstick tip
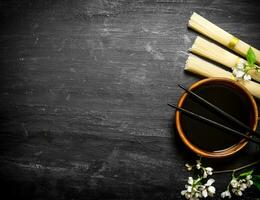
(172,105)
(182,87)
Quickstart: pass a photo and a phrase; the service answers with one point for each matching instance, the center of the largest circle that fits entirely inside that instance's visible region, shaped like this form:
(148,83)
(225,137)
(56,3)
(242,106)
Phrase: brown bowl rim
(228,151)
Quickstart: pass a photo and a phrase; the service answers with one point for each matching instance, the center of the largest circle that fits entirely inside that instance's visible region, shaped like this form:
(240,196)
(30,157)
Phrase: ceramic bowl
(252,117)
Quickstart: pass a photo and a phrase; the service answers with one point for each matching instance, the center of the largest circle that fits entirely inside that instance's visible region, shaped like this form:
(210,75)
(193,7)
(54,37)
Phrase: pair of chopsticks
(223,113)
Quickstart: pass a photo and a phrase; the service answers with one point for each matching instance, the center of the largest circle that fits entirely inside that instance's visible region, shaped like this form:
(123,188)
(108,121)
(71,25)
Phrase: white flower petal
(226,194)
(239,193)
(205,174)
(248,177)
(241,181)
(210,182)
(189,189)
(183,192)
(201,187)
(190,180)
(243,186)
(209,169)
(204,193)
(247,77)
(198,166)
(240,66)
(187,195)
(211,190)
(223,195)
(235,70)
(234,183)
(189,167)
(240,74)
(249,183)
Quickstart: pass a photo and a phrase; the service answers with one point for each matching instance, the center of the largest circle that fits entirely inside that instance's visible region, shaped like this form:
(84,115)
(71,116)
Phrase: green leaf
(250,57)
(257,185)
(256,180)
(246,173)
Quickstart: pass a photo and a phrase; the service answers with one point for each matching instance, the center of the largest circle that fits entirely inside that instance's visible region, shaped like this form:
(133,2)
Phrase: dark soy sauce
(208,137)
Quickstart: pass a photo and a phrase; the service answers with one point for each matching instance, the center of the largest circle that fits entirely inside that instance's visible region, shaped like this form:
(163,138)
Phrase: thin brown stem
(237,169)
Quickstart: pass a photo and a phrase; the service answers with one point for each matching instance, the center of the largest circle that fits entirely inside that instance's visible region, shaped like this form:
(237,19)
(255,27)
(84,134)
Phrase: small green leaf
(250,57)
(246,173)
(256,180)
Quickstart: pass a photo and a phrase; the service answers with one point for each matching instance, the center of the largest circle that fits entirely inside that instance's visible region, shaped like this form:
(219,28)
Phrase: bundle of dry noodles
(201,67)
(212,31)
(219,55)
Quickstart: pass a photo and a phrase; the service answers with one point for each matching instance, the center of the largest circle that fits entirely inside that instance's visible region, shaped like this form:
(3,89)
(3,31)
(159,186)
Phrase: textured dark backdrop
(84,87)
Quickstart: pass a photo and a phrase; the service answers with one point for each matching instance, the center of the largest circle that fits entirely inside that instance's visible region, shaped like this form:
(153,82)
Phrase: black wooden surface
(84,87)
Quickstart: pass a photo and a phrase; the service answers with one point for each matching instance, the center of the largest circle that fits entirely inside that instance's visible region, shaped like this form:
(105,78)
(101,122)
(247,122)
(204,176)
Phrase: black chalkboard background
(84,87)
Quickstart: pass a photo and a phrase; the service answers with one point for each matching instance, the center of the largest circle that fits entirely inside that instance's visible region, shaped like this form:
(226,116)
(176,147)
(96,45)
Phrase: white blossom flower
(239,185)
(187,195)
(205,175)
(189,167)
(240,72)
(198,165)
(243,186)
(226,194)
(205,193)
(195,189)
(211,190)
(241,64)
(248,177)
(234,183)
(209,170)
(237,192)
(249,182)
(188,187)
(247,77)
(190,191)
(190,180)
(210,182)
(199,188)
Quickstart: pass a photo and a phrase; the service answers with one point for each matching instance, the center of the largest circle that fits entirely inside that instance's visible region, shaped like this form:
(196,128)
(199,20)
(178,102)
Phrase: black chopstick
(211,122)
(220,111)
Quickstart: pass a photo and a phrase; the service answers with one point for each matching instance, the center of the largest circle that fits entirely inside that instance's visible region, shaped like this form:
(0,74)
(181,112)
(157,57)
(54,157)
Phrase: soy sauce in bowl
(206,139)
